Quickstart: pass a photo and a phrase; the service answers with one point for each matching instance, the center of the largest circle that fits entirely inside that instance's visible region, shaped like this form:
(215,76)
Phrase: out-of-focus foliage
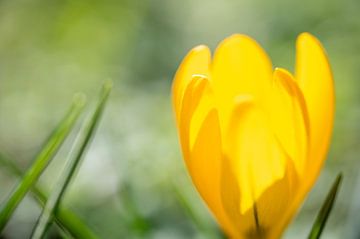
(132,183)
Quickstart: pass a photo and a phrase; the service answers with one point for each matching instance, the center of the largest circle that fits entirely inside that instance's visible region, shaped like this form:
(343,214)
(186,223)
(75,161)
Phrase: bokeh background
(133,183)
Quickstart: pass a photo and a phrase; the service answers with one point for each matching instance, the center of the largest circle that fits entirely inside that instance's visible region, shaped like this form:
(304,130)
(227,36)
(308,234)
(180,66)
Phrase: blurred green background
(132,183)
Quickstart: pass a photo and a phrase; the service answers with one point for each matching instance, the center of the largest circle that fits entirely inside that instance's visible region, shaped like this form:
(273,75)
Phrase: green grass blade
(133,218)
(187,206)
(42,160)
(207,230)
(325,210)
(68,221)
(75,157)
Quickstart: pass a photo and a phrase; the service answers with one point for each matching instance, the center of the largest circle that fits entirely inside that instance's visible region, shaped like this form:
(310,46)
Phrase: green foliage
(42,160)
(68,221)
(203,227)
(71,225)
(75,156)
(325,210)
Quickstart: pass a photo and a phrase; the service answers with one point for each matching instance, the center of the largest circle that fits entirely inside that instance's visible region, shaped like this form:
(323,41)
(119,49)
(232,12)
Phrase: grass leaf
(202,226)
(42,160)
(325,210)
(66,220)
(75,157)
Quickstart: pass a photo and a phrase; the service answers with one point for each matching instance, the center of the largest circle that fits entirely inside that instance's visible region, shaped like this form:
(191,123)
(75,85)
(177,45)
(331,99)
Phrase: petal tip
(238,38)
(200,51)
(199,77)
(307,38)
(200,48)
(243,46)
(285,79)
(305,35)
(282,73)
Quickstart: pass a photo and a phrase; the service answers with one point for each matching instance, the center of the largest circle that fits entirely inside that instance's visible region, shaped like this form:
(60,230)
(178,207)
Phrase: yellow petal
(275,202)
(289,118)
(240,66)
(253,152)
(258,179)
(191,99)
(262,219)
(201,144)
(254,163)
(205,167)
(315,79)
(197,61)
(198,100)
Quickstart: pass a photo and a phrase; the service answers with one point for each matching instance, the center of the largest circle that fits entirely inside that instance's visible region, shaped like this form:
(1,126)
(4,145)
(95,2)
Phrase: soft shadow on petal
(314,77)
(193,95)
(201,143)
(253,152)
(276,200)
(259,221)
(230,198)
(205,164)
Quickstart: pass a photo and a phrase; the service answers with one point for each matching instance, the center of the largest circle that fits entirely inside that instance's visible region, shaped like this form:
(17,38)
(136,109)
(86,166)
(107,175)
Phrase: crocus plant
(254,139)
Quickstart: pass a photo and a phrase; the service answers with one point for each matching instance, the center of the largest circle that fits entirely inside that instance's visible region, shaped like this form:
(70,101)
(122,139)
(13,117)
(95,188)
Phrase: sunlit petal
(197,61)
(254,141)
(240,66)
(249,141)
(314,77)
(201,143)
(289,118)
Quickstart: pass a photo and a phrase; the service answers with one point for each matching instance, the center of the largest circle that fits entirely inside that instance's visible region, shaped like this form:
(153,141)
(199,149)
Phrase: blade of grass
(42,160)
(66,220)
(132,216)
(325,210)
(72,225)
(75,156)
(207,230)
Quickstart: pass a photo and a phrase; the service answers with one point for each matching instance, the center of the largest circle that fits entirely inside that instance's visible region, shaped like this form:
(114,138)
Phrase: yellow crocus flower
(254,139)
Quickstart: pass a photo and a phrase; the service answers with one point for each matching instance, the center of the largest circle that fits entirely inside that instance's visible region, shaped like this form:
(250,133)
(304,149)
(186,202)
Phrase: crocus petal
(275,201)
(253,152)
(253,141)
(240,66)
(290,120)
(197,61)
(201,143)
(194,100)
(254,190)
(314,77)
(205,165)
